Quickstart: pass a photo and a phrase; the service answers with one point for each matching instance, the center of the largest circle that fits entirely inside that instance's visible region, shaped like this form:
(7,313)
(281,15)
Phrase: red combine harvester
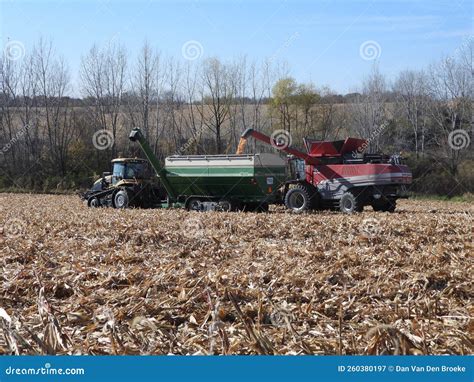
(337,174)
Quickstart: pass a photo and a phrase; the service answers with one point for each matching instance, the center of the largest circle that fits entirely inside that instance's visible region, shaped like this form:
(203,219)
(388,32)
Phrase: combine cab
(130,184)
(339,175)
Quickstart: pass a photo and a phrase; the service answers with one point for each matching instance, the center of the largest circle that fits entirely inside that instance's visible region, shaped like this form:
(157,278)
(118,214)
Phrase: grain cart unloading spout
(271,141)
(137,136)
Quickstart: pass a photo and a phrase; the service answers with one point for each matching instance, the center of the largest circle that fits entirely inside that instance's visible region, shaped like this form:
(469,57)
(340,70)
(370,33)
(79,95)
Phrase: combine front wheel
(298,199)
(349,203)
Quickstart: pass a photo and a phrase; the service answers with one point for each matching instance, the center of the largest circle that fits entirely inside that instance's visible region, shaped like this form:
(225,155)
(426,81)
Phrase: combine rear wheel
(301,198)
(385,206)
(350,203)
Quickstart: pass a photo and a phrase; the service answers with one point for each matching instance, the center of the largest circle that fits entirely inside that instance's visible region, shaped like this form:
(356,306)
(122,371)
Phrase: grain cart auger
(248,182)
(137,136)
(338,174)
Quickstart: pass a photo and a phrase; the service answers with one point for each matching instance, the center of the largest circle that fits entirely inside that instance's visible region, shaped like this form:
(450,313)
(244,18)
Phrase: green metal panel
(210,171)
(247,184)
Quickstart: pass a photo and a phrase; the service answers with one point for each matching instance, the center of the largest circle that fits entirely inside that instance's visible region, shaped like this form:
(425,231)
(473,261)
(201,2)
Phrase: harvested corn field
(76,280)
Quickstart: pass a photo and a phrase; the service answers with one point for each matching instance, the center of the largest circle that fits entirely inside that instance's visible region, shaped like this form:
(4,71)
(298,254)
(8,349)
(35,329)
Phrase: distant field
(75,280)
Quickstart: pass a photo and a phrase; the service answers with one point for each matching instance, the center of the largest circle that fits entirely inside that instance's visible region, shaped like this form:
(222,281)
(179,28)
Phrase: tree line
(48,128)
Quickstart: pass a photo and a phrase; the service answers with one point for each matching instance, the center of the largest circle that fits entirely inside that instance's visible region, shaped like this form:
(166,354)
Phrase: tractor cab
(129,169)
(131,183)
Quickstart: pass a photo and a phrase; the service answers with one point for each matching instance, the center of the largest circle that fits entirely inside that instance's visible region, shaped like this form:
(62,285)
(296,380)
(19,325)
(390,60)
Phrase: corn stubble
(76,280)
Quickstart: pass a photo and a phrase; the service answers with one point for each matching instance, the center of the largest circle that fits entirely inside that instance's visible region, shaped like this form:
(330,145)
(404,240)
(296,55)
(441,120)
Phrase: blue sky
(320,40)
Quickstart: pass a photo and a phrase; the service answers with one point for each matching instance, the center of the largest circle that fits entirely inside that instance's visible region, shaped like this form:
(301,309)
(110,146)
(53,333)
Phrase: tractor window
(118,172)
(134,170)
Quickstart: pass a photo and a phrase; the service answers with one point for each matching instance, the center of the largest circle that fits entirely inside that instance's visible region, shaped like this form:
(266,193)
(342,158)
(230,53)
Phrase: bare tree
(218,94)
(144,86)
(369,113)
(193,110)
(451,108)
(9,89)
(258,77)
(238,78)
(171,103)
(412,99)
(53,81)
(103,76)
(328,127)
(31,113)
(261,78)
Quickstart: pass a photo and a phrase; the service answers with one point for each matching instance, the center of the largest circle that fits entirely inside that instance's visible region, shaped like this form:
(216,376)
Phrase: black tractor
(131,183)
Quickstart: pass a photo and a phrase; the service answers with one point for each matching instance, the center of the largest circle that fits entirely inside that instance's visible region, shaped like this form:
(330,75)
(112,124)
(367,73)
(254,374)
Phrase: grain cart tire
(93,202)
(121,199)
(349,203)
(193,204)
(299,199)
(226,206)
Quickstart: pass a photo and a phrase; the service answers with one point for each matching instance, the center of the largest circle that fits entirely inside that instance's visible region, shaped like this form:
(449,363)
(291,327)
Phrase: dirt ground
(75,280)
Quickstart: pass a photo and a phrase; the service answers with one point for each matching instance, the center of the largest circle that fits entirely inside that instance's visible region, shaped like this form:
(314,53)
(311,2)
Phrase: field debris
(77,280)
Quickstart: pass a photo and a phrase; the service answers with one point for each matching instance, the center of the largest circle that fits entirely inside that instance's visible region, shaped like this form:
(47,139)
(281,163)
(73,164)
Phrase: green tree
(283,93)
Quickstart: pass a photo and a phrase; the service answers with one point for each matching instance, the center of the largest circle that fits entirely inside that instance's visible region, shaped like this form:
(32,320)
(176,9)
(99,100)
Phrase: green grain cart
(218,182)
